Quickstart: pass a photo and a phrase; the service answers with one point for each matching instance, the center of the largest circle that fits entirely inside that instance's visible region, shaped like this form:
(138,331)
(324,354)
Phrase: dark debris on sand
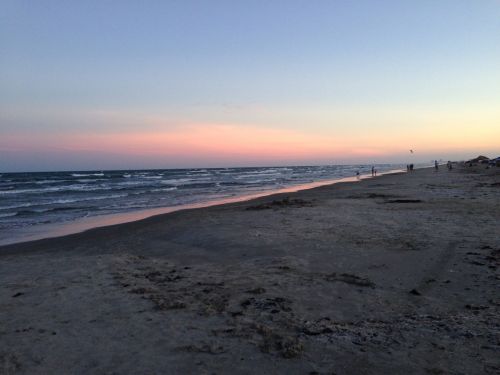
(269,321)
(265,319)
(283,203)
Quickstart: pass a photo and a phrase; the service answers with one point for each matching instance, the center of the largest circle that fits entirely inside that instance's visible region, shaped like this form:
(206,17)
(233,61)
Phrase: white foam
(16,206)
(64,201)
(87,174)
(8,214)
(163,189)
(260,181)
(41,182)
(177,181)
(15,191)
(253,175)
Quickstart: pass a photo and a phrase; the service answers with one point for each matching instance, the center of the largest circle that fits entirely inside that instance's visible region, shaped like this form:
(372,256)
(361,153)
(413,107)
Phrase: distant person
(357,175)
(411,167)
(373,171)
(436,165)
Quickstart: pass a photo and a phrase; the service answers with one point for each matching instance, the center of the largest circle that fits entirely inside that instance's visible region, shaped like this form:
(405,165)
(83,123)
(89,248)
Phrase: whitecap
(16,206)
(112,196)
(87,174)
(177,181)
(163,189)
(8,214)
(42,182)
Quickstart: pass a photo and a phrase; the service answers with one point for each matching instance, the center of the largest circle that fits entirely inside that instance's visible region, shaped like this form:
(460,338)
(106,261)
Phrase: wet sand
(392,275)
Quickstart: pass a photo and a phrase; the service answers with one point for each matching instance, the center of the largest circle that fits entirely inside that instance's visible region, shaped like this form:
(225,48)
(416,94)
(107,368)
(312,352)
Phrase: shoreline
(54,230)
(349,278)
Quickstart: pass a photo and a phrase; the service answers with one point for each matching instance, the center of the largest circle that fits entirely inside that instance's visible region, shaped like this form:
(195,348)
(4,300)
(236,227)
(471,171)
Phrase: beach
(396,274)
(40,205)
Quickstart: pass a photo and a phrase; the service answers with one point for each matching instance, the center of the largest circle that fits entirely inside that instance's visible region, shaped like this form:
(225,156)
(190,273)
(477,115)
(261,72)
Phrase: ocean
(29,200)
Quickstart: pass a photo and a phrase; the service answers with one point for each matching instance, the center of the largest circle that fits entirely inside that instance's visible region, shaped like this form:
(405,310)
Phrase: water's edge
(46,231)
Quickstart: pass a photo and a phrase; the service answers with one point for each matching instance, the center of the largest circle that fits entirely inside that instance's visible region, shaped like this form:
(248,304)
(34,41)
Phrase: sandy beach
(392,275)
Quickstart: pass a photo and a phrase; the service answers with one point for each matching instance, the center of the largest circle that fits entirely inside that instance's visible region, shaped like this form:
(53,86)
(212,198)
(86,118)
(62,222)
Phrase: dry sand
(392,275)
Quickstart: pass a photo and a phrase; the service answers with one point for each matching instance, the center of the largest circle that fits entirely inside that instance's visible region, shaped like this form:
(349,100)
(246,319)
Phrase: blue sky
(327,68)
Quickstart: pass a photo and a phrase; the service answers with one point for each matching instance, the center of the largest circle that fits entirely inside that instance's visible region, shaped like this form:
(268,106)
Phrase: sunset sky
(169,84)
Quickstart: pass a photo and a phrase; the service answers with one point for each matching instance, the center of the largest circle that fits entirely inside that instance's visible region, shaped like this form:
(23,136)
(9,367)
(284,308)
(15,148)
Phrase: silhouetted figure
(373,171)
(436,165)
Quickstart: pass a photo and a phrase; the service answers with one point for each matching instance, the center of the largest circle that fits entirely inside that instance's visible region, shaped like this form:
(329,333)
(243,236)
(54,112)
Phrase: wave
(8,214)
(177,181)
(43,182)
(231,183)
(87,174)
(147,174)
(163,189)
(29,212)
(34,211)
(76,188)
(260,181)
(48,210)
(199,185)
(265,171)
(112,196)
(20,191)
(199,174)
(87,180)
(17,206)
(123,184)
(244,177)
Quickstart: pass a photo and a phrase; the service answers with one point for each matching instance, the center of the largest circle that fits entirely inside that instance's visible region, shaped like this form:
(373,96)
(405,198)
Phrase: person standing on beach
(436,165)
(373,171)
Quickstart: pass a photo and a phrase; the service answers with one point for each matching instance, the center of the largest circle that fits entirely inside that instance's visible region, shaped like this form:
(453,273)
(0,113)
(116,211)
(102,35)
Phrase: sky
(91,85)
